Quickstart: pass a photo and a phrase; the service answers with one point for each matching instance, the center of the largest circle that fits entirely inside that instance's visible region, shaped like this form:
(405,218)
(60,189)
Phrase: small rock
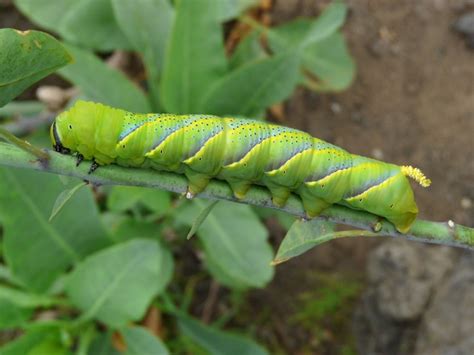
(403,277)
(448,324)
(336,107)
(54,97)
(465,27)
(377,153)
(466,203)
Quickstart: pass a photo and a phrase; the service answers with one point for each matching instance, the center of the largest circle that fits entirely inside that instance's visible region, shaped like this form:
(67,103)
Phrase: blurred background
(410,101)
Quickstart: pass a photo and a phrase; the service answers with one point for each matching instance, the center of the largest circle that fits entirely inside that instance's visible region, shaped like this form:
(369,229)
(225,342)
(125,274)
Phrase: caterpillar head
(74,127)
(56,140)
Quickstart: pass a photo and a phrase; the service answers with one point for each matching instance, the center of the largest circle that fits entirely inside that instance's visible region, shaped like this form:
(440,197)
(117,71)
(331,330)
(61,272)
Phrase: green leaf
(302,236)
(23,108)
(123,227)
(124,198)
(195,59)
(35,342)
(147,25)
(89,23)
(101,83)
(128,229)
(229,9)
(64,197)
(102,345)
(235,246)
(330,20)
(26,58)
(11,315)
(23,299)
(255,86)
(117,284)
(201,218)
(330,61)
(37,251)
(140,341)
(218,342)
(327,59)
(248,50)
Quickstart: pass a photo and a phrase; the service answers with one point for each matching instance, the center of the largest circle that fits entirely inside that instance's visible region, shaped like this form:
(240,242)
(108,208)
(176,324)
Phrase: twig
(448,233)
(24,126)
(24,145)
(210,302)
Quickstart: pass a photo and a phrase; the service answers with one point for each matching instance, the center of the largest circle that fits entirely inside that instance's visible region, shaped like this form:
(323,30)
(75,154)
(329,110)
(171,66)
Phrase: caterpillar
(243,152)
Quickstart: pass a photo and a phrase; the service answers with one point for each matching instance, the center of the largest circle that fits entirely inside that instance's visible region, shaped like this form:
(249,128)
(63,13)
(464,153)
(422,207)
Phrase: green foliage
(302,236)
(106,256)
(27,57)
(104,84)
(116,285)
(140,341)
(36,250)
(235,247)
(196,58)
(88,23)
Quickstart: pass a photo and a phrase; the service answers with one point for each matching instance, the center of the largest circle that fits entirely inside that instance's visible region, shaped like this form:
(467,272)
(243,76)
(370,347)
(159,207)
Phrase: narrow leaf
(253,87)
(330,62)
(304,235)
(102,83)
(248,50)
(218,342)
(201,218)
(26,58)
(147,25)
(64,197)
(330,20)
(195,59)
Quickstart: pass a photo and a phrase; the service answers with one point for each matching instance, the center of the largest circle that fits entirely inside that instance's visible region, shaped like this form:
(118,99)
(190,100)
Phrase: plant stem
(27,147)
(448,233)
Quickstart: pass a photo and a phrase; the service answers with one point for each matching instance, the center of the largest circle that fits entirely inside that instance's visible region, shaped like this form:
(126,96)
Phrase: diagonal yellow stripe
(366,192)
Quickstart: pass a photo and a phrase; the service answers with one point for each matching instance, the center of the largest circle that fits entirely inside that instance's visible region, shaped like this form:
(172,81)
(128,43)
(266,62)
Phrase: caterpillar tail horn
(416,175)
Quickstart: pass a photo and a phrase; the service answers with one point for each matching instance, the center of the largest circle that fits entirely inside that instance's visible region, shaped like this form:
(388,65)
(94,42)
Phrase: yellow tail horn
(416,175)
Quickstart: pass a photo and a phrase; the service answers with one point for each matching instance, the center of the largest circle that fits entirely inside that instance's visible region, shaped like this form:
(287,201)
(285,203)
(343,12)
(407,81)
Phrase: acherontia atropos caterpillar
(242,152)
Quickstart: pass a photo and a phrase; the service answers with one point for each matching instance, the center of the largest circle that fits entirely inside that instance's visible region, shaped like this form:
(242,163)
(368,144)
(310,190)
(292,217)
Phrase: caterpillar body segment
(243,153)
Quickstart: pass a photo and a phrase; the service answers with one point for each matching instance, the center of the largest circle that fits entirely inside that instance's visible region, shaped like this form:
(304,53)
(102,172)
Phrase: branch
(447,233)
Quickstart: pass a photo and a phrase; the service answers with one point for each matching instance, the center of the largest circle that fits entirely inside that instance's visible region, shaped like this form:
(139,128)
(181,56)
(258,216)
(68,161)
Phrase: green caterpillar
(242,152)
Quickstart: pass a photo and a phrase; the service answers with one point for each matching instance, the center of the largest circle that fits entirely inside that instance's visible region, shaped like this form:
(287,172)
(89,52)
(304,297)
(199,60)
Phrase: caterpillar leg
(197,182)
(93,167)
(313,206)
(79,159)
(239,188)
(280,194)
